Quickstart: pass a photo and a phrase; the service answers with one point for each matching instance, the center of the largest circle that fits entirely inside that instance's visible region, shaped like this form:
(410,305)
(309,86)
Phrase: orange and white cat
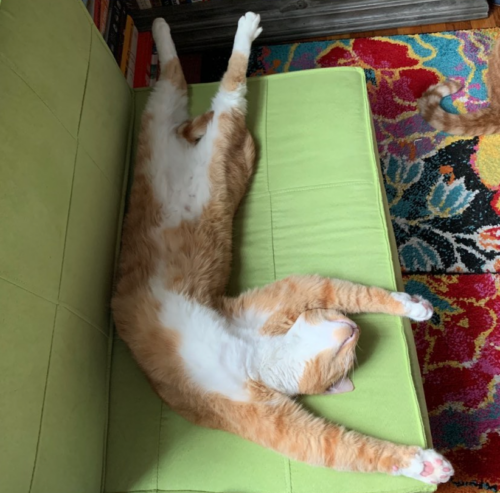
(482,122)
(234,364)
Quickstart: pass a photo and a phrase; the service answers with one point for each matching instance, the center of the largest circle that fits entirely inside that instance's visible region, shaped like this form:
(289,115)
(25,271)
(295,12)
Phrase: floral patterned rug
(444,196)
(459,354)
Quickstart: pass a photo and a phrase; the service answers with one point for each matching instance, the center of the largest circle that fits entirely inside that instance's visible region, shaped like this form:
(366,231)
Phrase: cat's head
(313,357)
(326,372)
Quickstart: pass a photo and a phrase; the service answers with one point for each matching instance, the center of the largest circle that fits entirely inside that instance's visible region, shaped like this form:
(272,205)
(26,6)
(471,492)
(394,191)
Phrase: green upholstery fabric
(65,113)
(315,206)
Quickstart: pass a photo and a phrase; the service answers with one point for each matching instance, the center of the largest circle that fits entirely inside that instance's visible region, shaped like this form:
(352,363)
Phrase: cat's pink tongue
(340,387)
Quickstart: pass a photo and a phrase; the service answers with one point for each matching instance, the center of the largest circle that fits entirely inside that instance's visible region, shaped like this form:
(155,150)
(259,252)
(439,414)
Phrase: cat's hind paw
(163,40)
(160,28)
(415,307)
(429,467)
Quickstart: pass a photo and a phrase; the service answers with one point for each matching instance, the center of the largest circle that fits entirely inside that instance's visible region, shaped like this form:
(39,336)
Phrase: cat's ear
(340,387)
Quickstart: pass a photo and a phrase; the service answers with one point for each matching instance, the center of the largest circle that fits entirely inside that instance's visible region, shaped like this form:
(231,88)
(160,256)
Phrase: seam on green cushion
(13,283)
(320,187)
(377,176)
(5,60)
(422,489)
(159,447)
(43,401)
(426,490)
(57,311)
(74,166)
(71,309)
(287,466)
(107,404)
(85,86)
(308,188)
(288,475)
(110,181)
(82,317)
(121,214)
(123,198)
(267,177)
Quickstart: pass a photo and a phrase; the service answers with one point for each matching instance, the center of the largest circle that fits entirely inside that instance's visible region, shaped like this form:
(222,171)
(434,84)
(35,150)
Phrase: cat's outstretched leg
(231,145)
(233,90)
(279,423)
(298,294)
(169,98)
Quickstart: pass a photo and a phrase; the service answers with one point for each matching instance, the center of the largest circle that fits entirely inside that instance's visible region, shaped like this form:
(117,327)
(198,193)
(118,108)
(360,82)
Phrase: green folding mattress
(76,414)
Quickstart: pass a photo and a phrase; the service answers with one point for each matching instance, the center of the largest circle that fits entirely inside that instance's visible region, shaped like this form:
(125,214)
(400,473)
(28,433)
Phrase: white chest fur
(221,356)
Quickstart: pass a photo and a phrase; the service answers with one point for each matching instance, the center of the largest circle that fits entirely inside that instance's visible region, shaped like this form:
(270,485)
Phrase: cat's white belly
(180,180)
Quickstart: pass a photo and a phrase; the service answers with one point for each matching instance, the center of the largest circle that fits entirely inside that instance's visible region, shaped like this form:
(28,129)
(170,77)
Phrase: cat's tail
(481,122)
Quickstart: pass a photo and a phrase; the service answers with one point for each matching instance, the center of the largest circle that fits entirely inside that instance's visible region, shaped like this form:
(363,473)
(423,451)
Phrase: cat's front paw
(249,25)
(415,307)
(427,466)
(248,30)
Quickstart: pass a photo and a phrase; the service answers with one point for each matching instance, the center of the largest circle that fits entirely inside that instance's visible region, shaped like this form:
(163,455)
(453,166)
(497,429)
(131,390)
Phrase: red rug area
(459,353)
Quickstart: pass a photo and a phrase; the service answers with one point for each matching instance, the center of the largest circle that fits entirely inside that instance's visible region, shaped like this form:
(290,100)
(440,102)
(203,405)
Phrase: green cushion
(315,206)
(64,126)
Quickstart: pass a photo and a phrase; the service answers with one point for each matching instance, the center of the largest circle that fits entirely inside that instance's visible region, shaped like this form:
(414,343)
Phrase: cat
(235,364)
(482,122)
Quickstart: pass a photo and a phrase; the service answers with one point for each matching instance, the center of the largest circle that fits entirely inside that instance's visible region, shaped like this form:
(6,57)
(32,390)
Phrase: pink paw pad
(428,469)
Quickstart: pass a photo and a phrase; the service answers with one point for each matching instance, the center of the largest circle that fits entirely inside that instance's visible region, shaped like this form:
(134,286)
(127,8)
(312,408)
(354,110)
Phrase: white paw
(416,307)
(163,40)
(249,25)
(160,28)
(429,467)
(248,30)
